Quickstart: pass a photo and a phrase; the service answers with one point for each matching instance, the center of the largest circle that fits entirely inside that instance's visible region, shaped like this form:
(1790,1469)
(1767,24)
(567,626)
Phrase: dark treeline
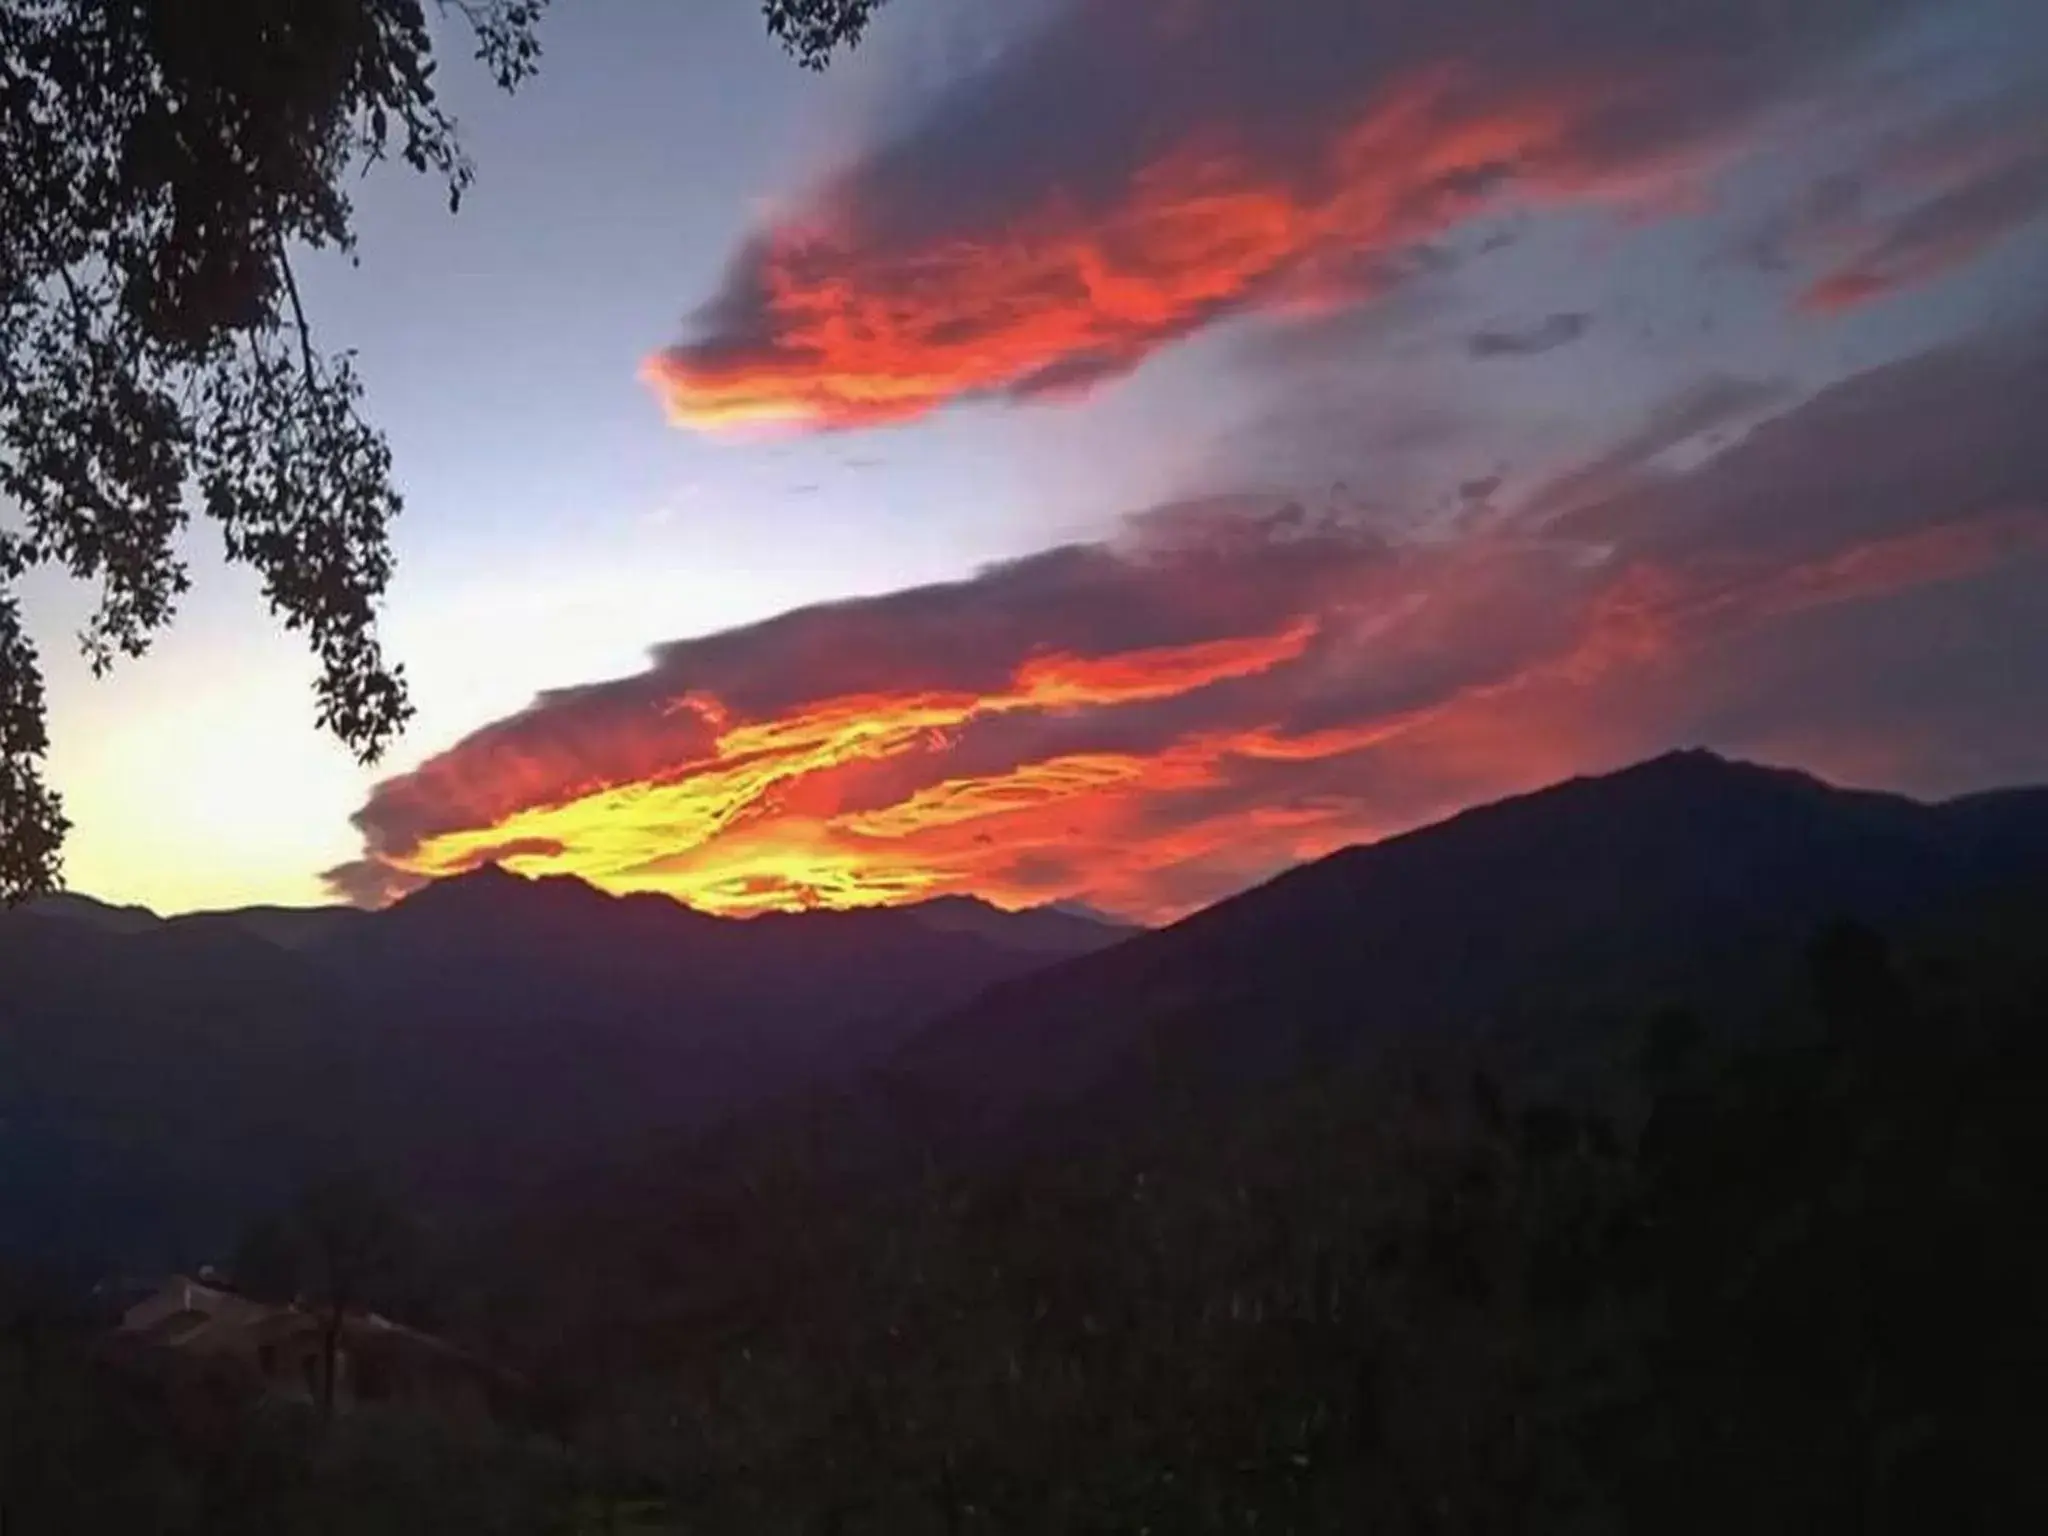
(1791,1286)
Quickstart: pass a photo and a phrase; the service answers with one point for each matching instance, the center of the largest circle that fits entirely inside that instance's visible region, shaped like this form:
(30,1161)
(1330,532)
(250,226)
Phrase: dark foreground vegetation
(1788,1286)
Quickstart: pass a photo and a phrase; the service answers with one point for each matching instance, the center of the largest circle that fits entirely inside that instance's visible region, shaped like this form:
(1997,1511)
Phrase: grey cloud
(1396,323)
(1710,404)
(1924,690)
(1921,201)
(1948,434)
(1822,215)
(1935,236)
(1546,335)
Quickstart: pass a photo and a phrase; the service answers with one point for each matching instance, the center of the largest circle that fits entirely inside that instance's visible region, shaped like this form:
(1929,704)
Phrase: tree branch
(291,288)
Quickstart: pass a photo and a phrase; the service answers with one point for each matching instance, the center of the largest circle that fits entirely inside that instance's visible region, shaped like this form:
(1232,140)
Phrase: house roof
(195,1318)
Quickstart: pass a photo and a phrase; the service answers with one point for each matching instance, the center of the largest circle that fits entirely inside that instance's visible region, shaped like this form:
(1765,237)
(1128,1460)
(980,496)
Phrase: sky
(1111,451)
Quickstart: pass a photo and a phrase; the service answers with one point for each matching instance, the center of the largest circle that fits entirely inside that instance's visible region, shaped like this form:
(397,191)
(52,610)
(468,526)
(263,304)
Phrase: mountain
(150,1080)
(64,906)
(161,1078)
(1531,928)
(491,1036)
(1061,928)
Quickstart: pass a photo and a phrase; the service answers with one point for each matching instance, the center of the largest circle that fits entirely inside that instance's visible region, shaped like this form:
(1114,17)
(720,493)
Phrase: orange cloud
(866,333)
(766,817)
(1121,182)
(1146,779)
(1150,723)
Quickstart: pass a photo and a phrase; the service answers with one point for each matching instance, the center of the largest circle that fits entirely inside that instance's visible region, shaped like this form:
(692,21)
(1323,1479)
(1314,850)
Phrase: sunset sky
(1111,449)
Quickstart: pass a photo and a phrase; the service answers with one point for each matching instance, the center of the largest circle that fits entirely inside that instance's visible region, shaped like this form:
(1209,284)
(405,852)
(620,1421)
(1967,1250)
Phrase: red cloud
(1145,779)
(862,331)
(737,774)
(1124,182)
(1848,288)
(862,799)
(1153,723)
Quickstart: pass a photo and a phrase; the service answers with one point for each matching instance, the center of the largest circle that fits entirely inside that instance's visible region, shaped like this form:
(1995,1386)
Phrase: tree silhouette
(813,30)
(160,163)
(342,1246)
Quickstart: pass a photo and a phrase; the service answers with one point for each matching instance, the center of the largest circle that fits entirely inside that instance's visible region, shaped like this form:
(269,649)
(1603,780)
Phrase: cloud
(1546,335)
(1710,405)
(1135,172)
(1819,217)
(1945,433)
(1935,237)
(1930,200)
(1151,722)
(1418,296)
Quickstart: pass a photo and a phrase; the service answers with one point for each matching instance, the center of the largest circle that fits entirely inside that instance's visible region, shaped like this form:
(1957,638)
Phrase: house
(281,1349)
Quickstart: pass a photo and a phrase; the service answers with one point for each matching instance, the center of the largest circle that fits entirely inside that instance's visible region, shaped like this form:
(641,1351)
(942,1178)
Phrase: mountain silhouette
(1530,929)
(492,1036)
(160,1078)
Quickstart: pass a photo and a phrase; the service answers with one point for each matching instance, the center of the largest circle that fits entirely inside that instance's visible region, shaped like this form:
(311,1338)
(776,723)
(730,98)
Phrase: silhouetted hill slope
(1791,1285)
(150,1080)
(159,1078)
(67,907)
(563,1016)
(1056,929)
(1520,924)
(490,1035)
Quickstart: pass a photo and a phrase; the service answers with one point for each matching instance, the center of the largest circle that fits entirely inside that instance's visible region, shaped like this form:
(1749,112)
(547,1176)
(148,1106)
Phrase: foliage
(344,1241)
(813,29)
(1313,1318)
(1847,1266)
(99,1446)
(343,1246)
(99,1438)
(1793,1286)
(161,162)
(1797,1288)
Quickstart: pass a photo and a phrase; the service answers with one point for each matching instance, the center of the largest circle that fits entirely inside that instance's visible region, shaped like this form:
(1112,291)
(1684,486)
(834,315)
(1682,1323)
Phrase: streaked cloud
(1135,172)
(1927,200)
(1931,238)
(1704,410)
(1235,684)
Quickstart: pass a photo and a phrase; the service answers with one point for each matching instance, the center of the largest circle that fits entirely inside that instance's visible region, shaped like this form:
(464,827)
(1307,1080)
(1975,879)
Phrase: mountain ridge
(492,1033)
(162,1077)
(1570,899)
(502,884)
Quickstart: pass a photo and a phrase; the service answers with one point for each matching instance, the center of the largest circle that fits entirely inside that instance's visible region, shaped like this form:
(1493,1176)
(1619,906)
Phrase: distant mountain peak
(1704,763)
(1687,760)
(1669,782)
(494,884)
(1044,927)
(959,902)
(490,895)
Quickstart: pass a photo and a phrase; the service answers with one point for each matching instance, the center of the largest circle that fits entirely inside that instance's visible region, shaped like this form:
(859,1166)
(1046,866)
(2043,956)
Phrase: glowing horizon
(1652,375)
